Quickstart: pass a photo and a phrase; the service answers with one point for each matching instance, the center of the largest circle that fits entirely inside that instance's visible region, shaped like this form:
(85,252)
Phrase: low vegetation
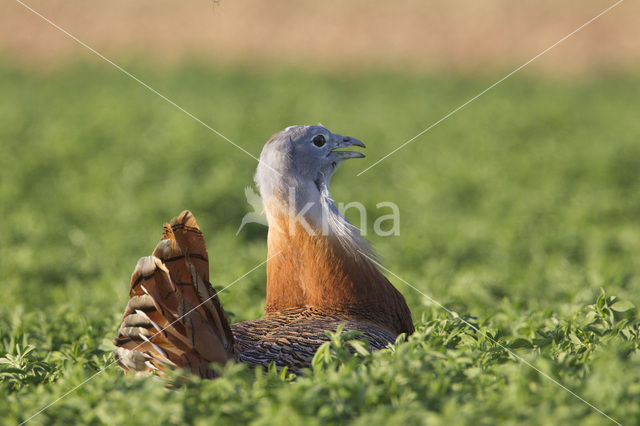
(519,214)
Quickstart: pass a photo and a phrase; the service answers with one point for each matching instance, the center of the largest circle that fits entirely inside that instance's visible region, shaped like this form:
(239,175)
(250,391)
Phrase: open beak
(345,142)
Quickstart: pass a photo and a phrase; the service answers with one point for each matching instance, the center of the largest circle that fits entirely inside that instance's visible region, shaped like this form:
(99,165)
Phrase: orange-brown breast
(316,271)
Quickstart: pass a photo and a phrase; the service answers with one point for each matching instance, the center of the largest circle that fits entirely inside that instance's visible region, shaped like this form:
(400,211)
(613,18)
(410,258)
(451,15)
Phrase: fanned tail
(174,317)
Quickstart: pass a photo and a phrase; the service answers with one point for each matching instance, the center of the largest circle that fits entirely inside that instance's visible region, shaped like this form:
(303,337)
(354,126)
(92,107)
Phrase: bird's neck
(323,271)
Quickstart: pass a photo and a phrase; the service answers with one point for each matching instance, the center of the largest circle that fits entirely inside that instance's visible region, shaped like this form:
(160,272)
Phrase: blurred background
(530,190)
(521,207)
(453,36)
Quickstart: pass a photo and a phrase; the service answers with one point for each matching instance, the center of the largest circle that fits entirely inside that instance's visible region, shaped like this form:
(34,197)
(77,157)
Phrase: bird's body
(290,337)
(319,275)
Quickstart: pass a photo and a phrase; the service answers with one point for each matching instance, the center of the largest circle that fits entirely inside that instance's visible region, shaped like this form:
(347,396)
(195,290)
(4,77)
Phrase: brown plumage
(174,316)
(315,282)
(316,271)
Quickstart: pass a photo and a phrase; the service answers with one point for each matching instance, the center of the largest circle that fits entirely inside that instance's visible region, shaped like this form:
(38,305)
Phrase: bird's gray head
(303,158)
(293,176)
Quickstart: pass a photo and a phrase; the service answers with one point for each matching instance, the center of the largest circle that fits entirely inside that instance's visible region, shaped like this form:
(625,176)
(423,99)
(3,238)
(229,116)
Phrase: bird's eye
(318,141)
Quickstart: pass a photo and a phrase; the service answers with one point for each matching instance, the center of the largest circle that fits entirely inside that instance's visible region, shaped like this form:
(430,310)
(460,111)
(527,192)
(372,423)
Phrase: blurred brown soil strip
(465,35)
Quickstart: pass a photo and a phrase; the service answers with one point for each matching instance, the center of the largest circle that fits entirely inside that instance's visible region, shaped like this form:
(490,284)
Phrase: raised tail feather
(174,316)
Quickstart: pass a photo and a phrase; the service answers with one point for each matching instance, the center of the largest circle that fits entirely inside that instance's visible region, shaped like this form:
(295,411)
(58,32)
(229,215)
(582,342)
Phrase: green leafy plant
(520,214)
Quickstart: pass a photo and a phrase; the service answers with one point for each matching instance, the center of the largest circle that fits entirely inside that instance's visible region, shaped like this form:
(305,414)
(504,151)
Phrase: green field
(521,213)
